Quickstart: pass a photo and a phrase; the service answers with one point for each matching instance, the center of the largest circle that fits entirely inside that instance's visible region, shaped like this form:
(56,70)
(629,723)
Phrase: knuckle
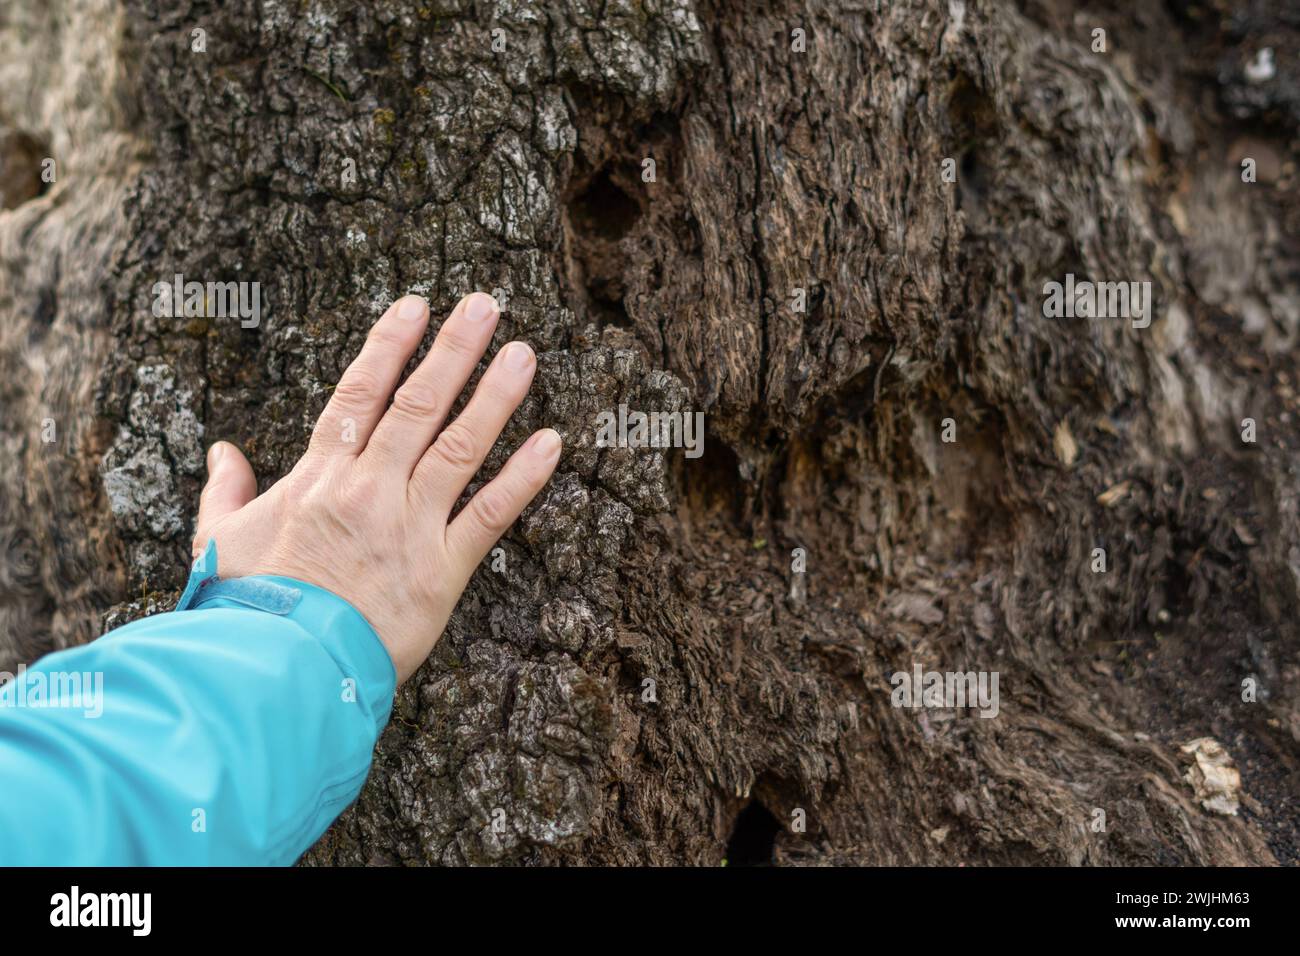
(456,446)
(491,509)
(359,386)
(384,337)
(503,392)
(456,344)
(416,400)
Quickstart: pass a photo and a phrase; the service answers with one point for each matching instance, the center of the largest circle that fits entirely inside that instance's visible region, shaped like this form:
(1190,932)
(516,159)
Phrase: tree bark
(739,209)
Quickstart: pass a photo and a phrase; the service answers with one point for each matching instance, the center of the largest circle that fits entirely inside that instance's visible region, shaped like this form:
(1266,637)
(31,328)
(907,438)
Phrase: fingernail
(411,308)
(518,357)
(214,455)
(548,443)
(480,306)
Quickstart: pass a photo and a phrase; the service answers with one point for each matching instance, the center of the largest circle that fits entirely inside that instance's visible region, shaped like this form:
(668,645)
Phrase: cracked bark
(521,171)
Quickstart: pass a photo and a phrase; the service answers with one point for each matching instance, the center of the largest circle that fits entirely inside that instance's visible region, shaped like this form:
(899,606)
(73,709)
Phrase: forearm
(227,734)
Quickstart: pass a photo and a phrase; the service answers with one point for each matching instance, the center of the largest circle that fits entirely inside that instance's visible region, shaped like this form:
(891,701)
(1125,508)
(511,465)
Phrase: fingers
(499,502)
(362,393)
(421,405)
(447,467)
(231,485)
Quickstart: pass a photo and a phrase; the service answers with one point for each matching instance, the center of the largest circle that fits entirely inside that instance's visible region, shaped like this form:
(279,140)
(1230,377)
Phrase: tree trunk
(827,227)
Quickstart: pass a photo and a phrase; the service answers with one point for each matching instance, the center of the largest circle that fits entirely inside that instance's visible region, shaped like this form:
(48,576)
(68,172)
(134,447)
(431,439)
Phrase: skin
(365,512)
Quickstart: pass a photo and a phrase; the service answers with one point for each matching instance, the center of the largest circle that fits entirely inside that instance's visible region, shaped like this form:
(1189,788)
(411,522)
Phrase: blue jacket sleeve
(231,731)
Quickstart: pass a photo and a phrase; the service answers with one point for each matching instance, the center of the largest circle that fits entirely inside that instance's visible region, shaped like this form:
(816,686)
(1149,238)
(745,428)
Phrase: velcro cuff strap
(258,593)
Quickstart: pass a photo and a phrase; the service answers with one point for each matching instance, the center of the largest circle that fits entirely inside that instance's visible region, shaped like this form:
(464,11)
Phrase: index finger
(362,393)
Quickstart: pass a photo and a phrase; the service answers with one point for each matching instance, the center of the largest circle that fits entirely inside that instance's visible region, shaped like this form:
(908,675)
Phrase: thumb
(231,485)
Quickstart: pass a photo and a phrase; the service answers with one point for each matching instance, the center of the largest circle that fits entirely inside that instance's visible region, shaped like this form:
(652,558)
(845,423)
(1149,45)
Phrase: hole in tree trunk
(598,217)
(753,838)
(604,210)
(711,486)
(21,158)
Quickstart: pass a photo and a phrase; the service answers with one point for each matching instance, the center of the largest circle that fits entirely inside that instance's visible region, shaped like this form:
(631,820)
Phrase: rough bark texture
(520,170)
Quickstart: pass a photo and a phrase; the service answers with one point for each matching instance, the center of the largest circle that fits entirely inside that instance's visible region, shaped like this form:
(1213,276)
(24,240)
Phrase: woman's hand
(364,513)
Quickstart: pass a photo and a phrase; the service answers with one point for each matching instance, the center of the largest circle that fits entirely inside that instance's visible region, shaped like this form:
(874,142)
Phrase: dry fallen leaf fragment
(913,606)
(1113,494)
(1066,448)
(1214,779)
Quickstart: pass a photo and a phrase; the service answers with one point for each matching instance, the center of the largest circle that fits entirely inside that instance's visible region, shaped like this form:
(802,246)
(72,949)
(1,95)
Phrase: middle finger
(420,406)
